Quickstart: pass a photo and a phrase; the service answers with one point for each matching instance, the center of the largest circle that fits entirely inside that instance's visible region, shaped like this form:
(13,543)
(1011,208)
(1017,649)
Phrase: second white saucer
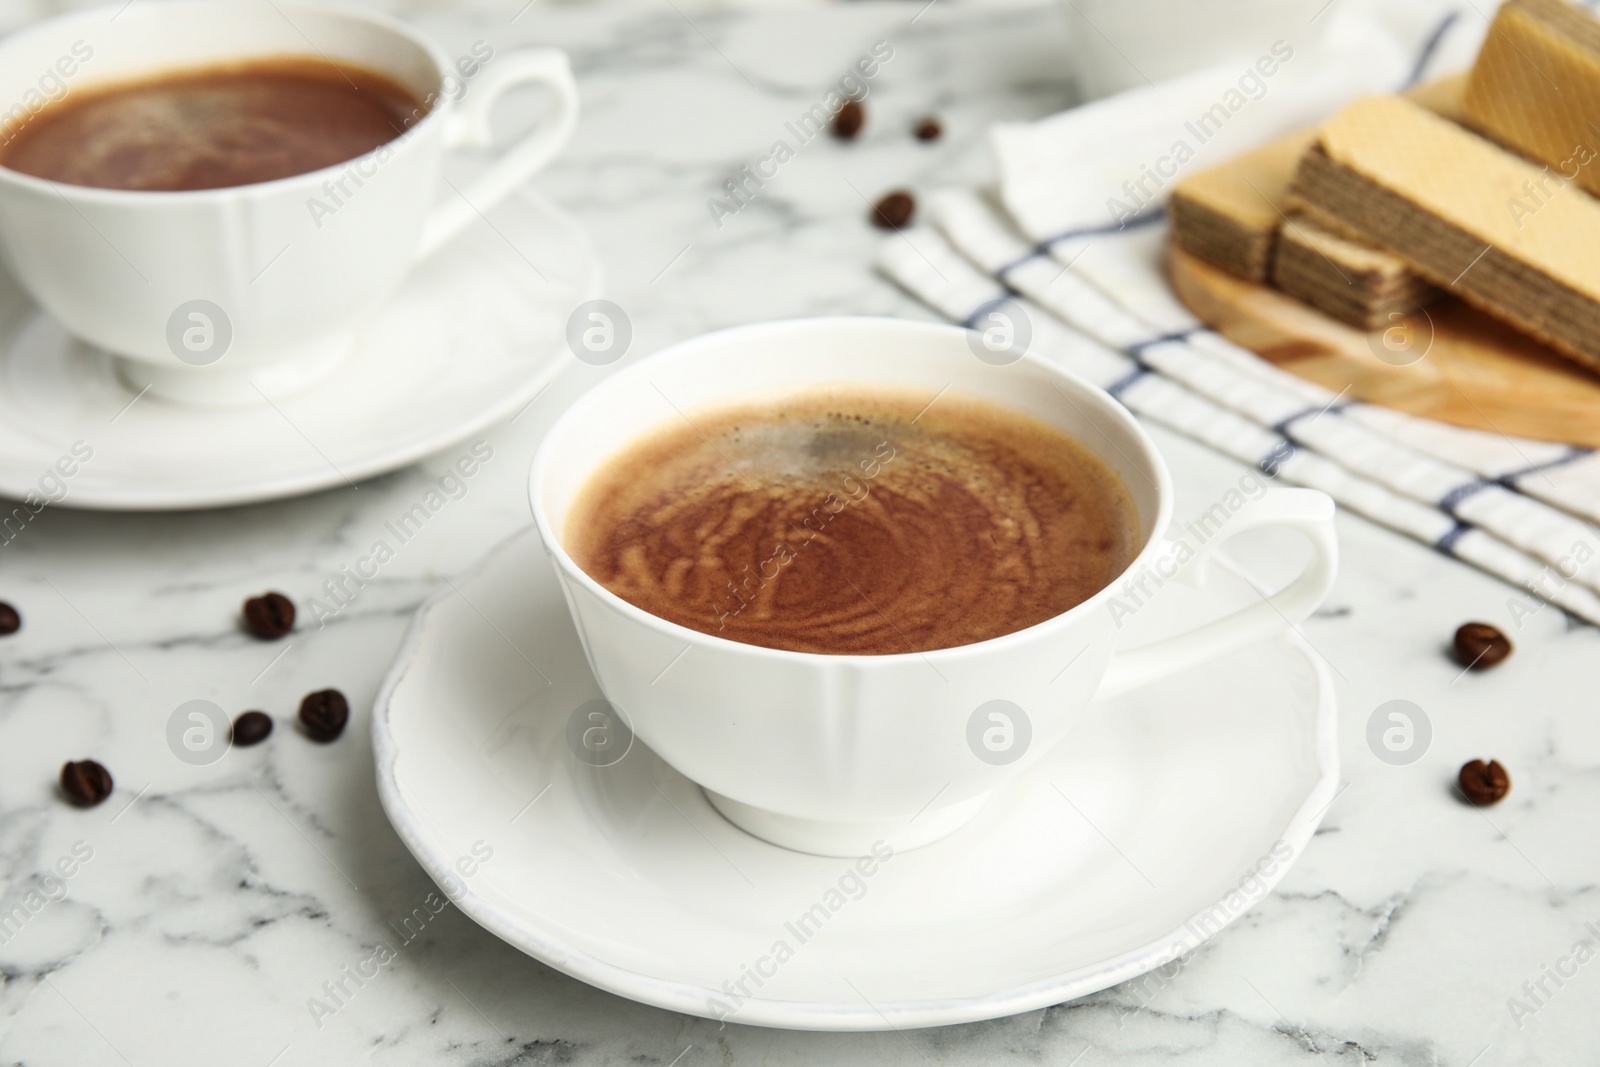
(473,335)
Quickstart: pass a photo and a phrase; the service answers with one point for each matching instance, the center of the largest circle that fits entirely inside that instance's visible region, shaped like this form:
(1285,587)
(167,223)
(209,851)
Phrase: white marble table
(218,903)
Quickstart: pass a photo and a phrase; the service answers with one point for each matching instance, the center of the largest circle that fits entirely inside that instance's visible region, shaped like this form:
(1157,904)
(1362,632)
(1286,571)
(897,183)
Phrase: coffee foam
(855,523)
(209,127)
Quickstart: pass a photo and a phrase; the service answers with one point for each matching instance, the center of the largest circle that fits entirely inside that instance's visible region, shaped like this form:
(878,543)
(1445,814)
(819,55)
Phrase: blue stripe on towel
(1454,497)
(1138,347)
(1430,47)
(987,306)
(1273,461)
(1042,249)
(1282,426)
(1509,479)
(1447,543)
(1116,388)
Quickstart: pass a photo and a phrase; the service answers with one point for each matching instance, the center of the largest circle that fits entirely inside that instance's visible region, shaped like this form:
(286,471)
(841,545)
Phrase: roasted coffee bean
(85,782)
(848,120)
(324,713)
(1481,646)
(1484,783)
(10,621)
(252,728)
(928,129)
(894,210)
(269,616)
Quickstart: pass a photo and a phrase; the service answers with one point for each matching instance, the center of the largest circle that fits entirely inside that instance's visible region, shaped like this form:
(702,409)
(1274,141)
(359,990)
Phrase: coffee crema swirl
(855,523)
(229,124)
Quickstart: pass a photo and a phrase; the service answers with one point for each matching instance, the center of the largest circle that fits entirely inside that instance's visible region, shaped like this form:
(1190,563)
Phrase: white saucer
(1130,845)
(476,331)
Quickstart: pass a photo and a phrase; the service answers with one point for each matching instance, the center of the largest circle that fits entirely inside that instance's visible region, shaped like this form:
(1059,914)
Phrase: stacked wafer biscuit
(1229,215)
(1239,217)
(1347,278)
(1446,201)
(1482,190)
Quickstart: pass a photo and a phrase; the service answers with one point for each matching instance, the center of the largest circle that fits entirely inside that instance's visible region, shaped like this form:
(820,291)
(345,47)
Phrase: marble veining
(210,909)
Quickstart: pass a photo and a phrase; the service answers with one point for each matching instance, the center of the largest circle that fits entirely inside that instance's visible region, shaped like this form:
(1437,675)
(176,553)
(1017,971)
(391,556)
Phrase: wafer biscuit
(1350,280)
(1440,197)
(1228,214)
(1536,87)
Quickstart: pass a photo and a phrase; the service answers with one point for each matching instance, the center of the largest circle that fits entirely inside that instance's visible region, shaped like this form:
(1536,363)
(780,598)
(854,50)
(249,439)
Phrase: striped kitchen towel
(1090,286)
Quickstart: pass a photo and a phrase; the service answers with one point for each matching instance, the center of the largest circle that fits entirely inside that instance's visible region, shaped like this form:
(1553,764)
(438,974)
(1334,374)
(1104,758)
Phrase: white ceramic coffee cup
(278,272)
(826,753)
(1124,44)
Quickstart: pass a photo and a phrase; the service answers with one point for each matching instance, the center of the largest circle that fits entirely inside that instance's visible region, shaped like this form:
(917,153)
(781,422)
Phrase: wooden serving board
(1476,372)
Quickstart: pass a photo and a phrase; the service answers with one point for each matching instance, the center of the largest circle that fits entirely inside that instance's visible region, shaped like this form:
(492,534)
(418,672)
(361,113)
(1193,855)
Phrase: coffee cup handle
(1304,510)
(469,127)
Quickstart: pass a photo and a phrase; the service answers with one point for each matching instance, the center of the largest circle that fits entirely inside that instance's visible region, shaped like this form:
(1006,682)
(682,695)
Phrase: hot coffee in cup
(862,522)
(977,574)
(213,127)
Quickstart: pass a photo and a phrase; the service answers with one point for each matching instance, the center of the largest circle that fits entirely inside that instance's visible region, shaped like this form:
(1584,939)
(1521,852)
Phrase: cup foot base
(825,838)
(220,385)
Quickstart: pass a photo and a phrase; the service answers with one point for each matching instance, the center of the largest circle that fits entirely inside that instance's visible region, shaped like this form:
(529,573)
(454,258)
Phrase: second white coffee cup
(225,295)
